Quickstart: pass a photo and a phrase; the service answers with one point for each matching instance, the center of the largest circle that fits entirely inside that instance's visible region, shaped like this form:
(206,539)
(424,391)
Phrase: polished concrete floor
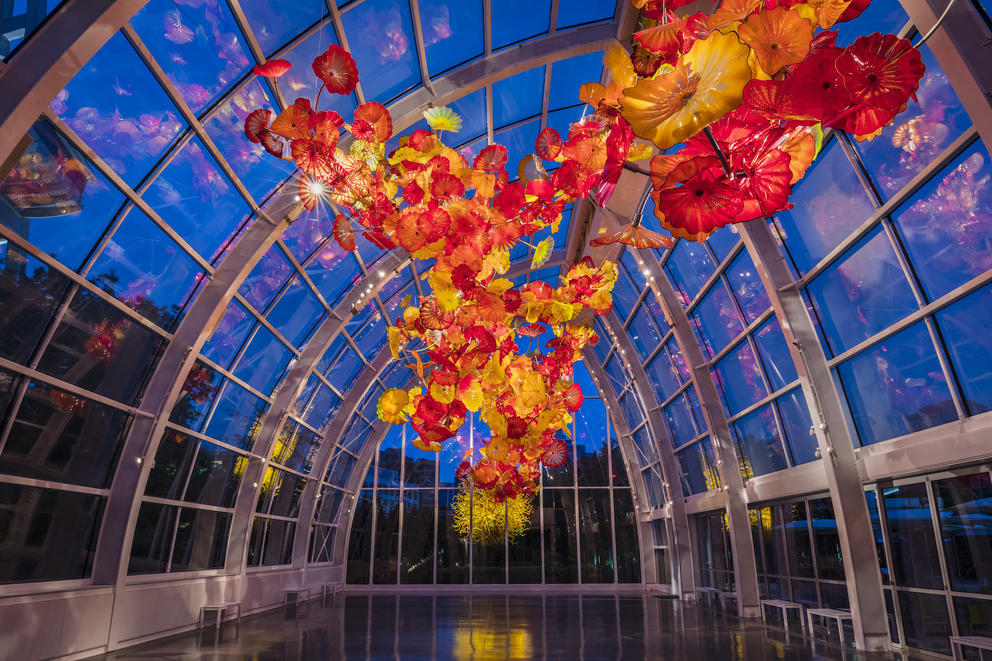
(494,627)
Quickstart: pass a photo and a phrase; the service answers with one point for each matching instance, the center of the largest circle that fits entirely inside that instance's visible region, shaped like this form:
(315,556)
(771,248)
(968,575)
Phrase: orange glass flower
(779,37)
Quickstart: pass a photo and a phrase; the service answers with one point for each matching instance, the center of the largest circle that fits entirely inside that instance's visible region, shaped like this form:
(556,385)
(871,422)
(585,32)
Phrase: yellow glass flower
(391,405)
(707,83)
(542,252)
(443,119)
(779,37)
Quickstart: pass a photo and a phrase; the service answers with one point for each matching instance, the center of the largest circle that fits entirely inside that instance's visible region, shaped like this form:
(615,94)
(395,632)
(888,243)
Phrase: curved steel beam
(836,446)
(745,569)
(49,59)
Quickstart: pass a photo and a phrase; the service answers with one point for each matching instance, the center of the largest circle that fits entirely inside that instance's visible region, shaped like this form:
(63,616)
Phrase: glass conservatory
(224,371)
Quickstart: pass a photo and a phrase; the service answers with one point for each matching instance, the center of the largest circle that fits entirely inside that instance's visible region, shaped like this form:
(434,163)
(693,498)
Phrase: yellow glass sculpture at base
(477,513)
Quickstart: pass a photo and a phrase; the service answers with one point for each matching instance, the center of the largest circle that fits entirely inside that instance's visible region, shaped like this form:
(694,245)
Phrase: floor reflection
(492,627)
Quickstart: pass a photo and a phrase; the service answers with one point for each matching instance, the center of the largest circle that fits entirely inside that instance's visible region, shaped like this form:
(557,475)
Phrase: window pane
(747,287)
(452,33)
(644,332)
(592,444)
(387,532)
(264,361)
(281,492)
(568,75)
(628,556)
(489,560)
(863,294)
(153,533)
(452,549)
(759,447)
(279,543)
(268,276)
(797,540)
(678,420)
(596,535)
(47,535)
(417,563)
(297,313)
(911,541)
(560,561)
(963,326)
(663,375)
(235,418)
(201,540)
(578,13)
(964,505)
(798,426)
(226,341)
(524,552)
(716,320)
(896,387)
(829,202)
(360,543)
(739,380)
(829,564)
(774,354)
(925,621)
(386,56)
(516,20)
(974,616)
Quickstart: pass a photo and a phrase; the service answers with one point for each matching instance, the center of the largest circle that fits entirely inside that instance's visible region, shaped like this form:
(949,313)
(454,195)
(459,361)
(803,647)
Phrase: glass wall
(582,526)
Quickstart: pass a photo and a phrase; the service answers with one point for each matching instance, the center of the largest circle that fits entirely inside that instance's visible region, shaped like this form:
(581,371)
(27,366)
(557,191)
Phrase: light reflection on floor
(491,627)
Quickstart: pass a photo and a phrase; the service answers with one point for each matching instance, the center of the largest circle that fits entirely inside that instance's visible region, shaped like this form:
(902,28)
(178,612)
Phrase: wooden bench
(976,642)
(828,613)
(785,607)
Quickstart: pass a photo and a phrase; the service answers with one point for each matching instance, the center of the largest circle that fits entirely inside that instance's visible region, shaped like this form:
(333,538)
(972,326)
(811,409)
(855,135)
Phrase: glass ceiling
(160,187)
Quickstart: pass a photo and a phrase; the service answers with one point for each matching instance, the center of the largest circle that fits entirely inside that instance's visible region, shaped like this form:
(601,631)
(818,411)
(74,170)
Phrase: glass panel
(261,285)
(911,542)
(472,109)
(774,354)
(678,420)
(663,375)
(116,106)
(964,506)
(689,267)
(947,254)
(595,535)
(974,616)
(962,326)
(264,361)
(925,621)
(560,561)
(917,135)
(571,14)
(322,408)
(297,313)
(226,341)
(798,427)
(452,549)
(389,463)
(282,492)
(759,447)
(489,560)
(568,75)
(624,296)
(628,556)
(236,417)
(386,56)
(716,320)
(897,387)
(592,444)
(876,527)
(519,142)
(201,540)
(258,171)
(360,543)
(387,533)
(60,437)
(197,44)
(618,464)
(279,543)
(47,535)
(524,551)
(694,479)
(333,272)
(863,294)
(98,348)
(739,380)
(153,533)
(52,186)
(30,294)
(797,540)
(880,16)
(829,202)
(654,494)
(517,20)
(747,287)
(441,21)
(417,562)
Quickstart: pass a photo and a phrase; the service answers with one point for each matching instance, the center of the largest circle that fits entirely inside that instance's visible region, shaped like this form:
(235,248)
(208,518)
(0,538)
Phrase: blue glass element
(333,272)
(747,287)
(344,368)
(645,446)
(276,23)
(632,409)
(774,353)
(517,97)
(118,108)
(68,214)
(644,332)
(263,362)
(191,183)
(722,241)
(944,226)
(322,407)
(663,376)
(297,313)
(517,20)
(300,81)
(829,202)
(230,334)
(576,13)
(233,419)
(144,268)
(964,327)
(567,76)
(259,171)
(678,421)
(896,387)
(519,142)
(198,45)
(739,380)
(472,109)
(881,16)
(452,33)
(864,293)
(759,447)
(798,426)
(689,267)
(269,275)
(624,296)
(386,56)
(932,124)
(716,319)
